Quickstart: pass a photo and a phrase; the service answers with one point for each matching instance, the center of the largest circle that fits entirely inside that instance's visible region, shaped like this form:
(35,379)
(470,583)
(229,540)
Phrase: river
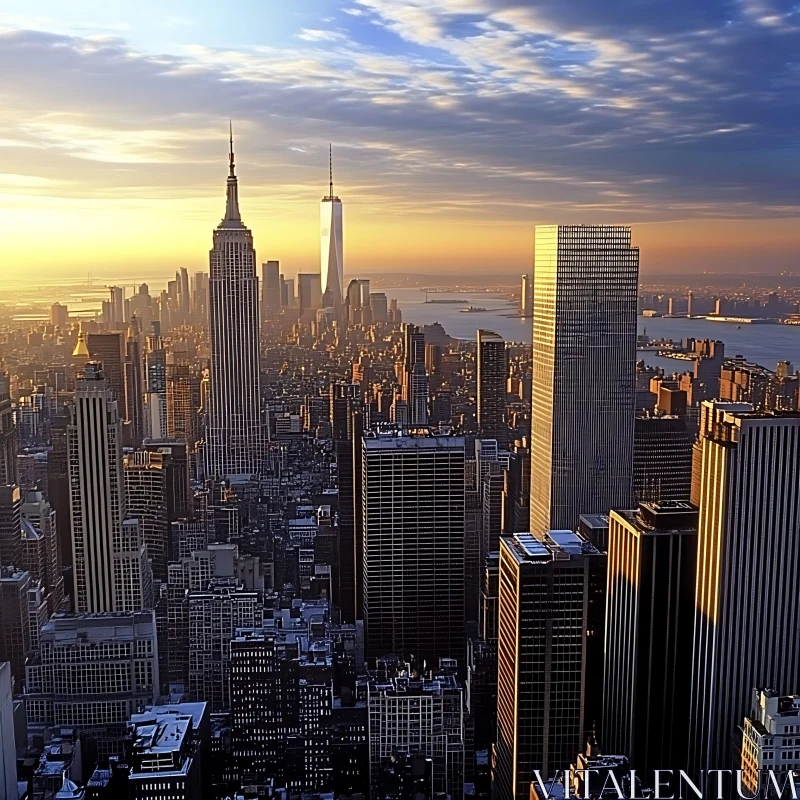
(762,344)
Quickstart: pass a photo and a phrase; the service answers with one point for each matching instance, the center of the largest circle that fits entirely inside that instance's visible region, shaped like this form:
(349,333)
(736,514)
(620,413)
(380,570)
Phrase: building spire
(230,128)
(330,170)
(232,218)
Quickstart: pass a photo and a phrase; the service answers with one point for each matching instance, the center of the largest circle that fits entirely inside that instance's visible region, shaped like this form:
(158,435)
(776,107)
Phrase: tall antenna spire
(230,127)
(330,168)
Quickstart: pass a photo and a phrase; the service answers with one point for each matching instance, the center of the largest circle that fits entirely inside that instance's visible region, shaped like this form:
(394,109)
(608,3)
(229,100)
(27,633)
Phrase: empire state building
(234,433)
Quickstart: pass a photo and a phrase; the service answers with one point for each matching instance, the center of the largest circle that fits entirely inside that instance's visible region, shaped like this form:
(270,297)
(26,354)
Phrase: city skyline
(663,121)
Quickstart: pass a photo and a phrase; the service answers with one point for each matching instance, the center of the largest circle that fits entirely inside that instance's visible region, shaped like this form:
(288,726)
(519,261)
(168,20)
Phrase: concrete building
(270,290)
(584,360)
(549,655)
(413,518)
(11,549)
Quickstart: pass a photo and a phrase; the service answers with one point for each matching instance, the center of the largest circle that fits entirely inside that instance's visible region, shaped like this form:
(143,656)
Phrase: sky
(456,126)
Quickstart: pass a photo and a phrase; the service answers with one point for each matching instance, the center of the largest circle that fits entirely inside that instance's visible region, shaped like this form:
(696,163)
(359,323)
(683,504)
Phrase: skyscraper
(270,290)
(234,435)
(550,624)
(584,358)
(413,501)
(10,537)
(492,374)
(109,349)
(8,434)
(652,561)
(8,747)
(747,624)
(109,558)
(331,251)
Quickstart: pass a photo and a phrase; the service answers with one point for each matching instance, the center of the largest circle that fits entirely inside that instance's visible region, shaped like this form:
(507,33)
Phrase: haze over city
(457,125)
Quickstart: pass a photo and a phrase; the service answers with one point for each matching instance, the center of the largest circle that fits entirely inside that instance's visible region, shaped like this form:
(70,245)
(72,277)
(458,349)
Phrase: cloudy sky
(457,125)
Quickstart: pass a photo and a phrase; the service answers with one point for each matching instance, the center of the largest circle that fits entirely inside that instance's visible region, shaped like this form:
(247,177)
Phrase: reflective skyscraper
(234,441)
(584,359)
(331,255)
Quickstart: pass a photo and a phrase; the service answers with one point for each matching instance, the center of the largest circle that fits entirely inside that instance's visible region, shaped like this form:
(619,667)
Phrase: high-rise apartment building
(331,247)
(234,434)
(747,625)
(414,376)
(92,672)
(584,358)
(413,506)
(492,373)
(550,633)
(109,558)
(134,382)
(652,562)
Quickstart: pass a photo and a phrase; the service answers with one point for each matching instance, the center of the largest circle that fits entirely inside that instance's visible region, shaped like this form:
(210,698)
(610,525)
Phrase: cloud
(492,107)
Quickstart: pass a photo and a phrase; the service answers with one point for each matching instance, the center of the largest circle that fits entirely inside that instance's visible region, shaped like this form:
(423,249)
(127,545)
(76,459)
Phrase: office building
(331,247)
(769,739)
(411,718)
(549,647)
(183,403)
(146,493)
(134,382)
(652,562)
(662,459)
(94,671)
(346,429)
(234,434)
(309,294)
(413,507)
(109,558)
(59,316)
(747,626)
(10,515)
(584,359)
(270,290)
(154,425)
(380,307)
(525,296)
(492,373)
(43,547)
(109,348)
(414,376)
